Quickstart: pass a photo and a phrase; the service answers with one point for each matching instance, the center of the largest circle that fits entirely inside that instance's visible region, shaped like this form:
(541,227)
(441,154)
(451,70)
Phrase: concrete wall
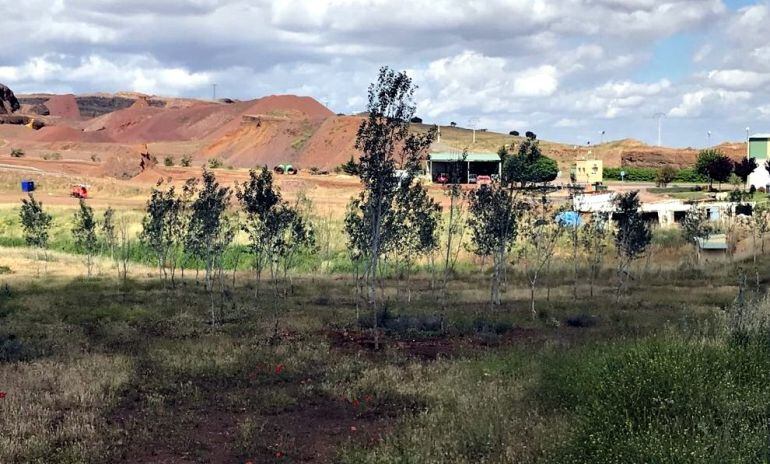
(760,177)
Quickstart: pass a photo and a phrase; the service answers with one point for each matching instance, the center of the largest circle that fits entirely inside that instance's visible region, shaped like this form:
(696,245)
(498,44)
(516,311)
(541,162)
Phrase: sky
(565,69)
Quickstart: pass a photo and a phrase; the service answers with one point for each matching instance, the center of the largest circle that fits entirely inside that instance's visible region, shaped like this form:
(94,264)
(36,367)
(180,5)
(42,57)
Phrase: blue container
(28,186)
(569,219)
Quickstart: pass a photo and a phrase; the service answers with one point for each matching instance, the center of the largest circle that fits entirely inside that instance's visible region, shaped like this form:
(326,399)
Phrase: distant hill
(115,128)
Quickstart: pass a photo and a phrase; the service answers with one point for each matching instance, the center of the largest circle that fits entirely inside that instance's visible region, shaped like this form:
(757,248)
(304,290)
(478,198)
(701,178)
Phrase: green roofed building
(465,168)
(759,149)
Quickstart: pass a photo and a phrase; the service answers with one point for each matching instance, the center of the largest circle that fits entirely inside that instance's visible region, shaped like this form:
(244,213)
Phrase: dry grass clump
(473,410)
(53,409)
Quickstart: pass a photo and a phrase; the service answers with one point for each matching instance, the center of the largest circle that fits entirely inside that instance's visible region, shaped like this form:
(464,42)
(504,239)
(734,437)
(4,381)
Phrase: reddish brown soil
(268,131)
(314,431)
(64,106)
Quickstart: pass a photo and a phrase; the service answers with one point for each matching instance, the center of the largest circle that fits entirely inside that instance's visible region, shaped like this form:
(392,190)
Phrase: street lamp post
(748,152)
(708,139)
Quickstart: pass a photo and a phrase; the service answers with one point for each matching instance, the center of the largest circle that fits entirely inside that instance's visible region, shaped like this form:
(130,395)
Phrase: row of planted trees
(196,226)
(90,235)
(511,224)
(191,227)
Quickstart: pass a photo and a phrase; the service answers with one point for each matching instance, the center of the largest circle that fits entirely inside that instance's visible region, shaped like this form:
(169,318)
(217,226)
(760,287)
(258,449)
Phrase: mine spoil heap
(8,101)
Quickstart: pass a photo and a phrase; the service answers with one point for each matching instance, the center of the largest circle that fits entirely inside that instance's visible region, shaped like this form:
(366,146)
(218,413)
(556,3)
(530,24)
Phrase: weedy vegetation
(228,324)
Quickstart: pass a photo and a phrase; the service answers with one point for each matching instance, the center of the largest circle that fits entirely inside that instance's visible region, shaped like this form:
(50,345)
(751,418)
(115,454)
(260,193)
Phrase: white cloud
(536,82)
(140,74)
(695,104)
(560,66)
(738,79)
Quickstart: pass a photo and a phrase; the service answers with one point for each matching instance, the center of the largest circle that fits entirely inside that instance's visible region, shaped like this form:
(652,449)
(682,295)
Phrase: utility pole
(748,151)
(473,122)
(708,139)
(601,135)
(214,92)
(659,117)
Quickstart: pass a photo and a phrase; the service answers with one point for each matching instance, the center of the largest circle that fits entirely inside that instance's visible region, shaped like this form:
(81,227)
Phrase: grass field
(93,370)
(102,370)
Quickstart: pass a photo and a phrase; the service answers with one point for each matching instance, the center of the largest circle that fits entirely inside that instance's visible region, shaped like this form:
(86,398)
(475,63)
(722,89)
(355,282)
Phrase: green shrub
(52,156)
(186,161)
(350,167)
(663,401)
(168,161)
(17,153)
(215,163)
(636,174)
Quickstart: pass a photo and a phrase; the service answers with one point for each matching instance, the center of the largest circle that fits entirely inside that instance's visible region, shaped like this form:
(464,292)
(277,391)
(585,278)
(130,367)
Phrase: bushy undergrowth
(663,400)
(640,174)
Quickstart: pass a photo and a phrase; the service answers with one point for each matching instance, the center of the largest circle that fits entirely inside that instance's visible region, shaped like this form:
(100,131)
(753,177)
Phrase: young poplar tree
(415,223)
(161,214)
(759,227)
(108,230)
(259,200)
(383,139)
(539,234)
(84,233)
(36,223)
(300,236)
(124,249)
(454,225)
(572,228)
(632,236)
(696,227)
(493,226)
(211,228)
(594,242)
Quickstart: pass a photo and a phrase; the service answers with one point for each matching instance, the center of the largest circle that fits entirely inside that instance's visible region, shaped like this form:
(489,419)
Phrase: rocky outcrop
(97,105)
(8,101)
(19,120)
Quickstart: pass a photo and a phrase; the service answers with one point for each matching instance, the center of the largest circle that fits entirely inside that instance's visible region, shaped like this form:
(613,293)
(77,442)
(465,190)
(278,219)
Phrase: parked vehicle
(484,180)
(79,191)
(472,178)
(442,178)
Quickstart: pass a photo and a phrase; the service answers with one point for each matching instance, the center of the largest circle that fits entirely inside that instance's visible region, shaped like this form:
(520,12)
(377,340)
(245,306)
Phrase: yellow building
(587,171)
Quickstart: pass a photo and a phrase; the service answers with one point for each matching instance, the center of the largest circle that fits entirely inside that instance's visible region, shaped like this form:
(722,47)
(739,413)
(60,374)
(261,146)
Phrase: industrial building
(587,171)
(759,149)
(455,168)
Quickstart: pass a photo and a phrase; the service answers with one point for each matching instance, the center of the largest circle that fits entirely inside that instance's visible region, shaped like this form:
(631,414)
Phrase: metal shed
(454,164)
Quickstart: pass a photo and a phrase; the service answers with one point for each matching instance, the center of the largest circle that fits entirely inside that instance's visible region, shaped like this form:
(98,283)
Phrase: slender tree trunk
(450,233)
(575,263)
(532,299)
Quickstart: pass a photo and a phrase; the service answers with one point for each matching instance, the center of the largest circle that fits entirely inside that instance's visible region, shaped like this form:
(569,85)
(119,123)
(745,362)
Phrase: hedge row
(648,175)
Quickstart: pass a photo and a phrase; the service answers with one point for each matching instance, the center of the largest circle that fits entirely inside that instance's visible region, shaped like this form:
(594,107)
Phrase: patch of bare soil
(313,432)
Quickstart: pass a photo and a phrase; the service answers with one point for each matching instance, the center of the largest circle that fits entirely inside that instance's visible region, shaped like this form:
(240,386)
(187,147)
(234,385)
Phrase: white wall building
(759,149)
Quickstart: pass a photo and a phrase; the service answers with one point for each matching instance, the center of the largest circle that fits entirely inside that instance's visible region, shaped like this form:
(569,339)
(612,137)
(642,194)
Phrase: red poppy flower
(368,398)
(353,428)
(278,454)
(2,395)
(278,369)
(356,403)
